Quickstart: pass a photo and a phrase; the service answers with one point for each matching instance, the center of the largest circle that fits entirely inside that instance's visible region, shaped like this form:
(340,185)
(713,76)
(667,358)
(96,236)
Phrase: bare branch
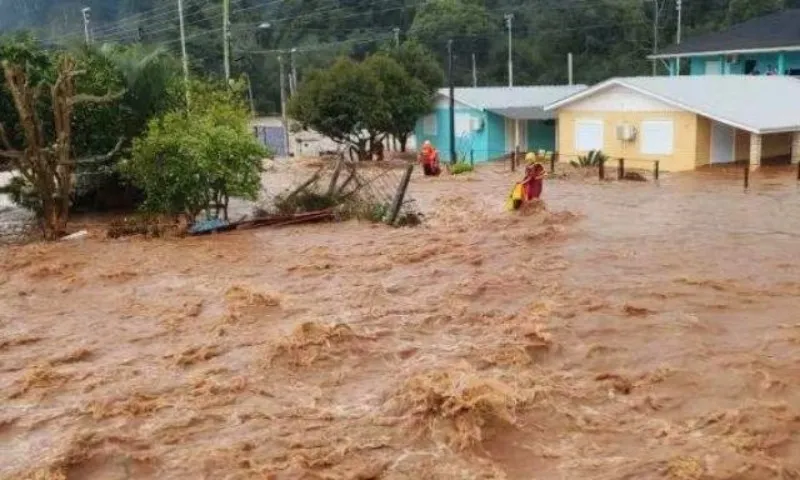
(84,98)
(102,158)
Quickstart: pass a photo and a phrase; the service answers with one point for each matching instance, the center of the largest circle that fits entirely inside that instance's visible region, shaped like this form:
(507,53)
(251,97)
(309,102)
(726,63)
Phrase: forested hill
(607,37)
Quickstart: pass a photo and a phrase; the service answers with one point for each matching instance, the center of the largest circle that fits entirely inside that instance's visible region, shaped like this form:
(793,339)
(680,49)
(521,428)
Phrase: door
(723,140)
(713,67)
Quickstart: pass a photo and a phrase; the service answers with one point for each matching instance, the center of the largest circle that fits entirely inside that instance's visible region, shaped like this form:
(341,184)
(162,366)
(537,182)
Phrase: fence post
(553,162)
(602,169)
(472,157)
(514,159)
(621,169)
(397,204)
(747,175)
(655,170)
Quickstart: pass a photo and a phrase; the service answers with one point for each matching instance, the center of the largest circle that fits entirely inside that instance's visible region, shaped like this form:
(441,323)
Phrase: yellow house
(684,121)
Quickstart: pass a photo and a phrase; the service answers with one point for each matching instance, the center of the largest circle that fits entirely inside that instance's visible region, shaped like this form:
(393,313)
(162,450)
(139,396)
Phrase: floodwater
(631,331)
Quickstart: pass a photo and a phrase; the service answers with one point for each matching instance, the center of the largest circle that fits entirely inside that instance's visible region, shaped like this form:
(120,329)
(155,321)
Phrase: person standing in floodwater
(533,184)
(429,158)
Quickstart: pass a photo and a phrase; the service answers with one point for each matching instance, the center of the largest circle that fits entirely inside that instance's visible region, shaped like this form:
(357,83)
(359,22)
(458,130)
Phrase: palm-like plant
(592,158)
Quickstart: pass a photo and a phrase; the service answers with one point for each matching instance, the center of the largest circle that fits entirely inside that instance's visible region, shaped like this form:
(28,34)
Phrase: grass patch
(461,167)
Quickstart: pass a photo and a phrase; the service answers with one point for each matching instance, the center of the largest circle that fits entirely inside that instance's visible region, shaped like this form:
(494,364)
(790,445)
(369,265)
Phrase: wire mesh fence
(377,191)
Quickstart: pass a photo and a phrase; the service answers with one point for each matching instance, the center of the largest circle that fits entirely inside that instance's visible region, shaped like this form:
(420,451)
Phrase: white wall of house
(619,99)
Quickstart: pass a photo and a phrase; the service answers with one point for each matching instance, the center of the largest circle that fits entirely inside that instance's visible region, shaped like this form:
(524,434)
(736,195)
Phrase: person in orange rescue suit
(429,158)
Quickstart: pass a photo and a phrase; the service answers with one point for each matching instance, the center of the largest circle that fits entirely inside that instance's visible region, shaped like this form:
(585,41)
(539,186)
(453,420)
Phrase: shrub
(461,167)
(591,159)
(188,163)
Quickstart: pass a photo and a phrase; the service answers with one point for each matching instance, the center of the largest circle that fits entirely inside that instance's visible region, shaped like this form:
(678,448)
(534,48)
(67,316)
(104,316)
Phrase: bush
(188,163)
(461,167)
(591,159)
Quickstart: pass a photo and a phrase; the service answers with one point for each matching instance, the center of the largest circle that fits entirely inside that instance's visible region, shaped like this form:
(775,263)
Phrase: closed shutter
(588,135)
(657,137)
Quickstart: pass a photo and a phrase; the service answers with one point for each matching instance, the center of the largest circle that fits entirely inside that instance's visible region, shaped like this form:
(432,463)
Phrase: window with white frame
(657,137)
(463,123)
(429,125)
(588,135)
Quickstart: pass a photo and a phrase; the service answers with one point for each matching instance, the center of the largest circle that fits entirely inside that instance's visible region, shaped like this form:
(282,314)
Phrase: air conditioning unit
(626,132)
(475,124)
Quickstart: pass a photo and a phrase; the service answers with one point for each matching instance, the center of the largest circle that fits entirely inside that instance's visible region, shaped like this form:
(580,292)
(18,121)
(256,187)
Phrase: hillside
(607,37)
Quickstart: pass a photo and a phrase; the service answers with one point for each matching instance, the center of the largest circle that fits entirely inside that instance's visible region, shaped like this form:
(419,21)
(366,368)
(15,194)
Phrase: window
(657,137)
(429,125)
(713,67)
(588,135)
(463,123)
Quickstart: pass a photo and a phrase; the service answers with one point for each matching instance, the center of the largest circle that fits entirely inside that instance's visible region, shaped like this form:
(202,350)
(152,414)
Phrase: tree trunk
(403,139)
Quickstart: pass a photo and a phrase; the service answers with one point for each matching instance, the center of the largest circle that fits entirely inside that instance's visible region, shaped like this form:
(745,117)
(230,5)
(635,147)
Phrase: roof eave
(768,131)
(739,51)
(621,82)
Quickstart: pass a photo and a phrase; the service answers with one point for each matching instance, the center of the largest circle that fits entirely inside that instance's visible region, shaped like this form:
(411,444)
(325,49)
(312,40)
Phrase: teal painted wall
(496,136)
(541,135)
(488,143)
(471,144)
(791,61)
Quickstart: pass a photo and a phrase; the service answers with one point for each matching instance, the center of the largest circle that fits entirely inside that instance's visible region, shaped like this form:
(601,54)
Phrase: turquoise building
(491,121)
(768,45)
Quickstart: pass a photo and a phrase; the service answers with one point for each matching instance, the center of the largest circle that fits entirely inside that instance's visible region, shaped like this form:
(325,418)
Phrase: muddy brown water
(646,331)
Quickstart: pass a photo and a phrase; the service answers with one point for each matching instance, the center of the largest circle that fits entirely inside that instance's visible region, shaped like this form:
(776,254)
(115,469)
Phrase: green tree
(420,63)
(47,159)
(741,10)
(345,103)
(466,22)
(406,98)
(190,162)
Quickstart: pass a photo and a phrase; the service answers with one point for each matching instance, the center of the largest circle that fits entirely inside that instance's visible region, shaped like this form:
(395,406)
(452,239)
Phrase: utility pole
(679,8)
(250,95)
(452,101)
(283,106)
(396,37)
(293,74)
(569,67)
(509,20)
(184,57)
(657,6)
(86,11)
(474,72)
(226,37)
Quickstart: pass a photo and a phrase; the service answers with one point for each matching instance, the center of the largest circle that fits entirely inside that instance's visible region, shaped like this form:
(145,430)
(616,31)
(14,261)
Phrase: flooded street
(631,331)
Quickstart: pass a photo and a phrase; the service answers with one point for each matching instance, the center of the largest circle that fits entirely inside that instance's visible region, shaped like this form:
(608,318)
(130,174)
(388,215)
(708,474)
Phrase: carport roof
(758,104)
(519,103)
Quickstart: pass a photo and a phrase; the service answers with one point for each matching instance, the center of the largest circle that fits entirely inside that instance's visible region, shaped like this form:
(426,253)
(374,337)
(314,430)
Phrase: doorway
(723,143)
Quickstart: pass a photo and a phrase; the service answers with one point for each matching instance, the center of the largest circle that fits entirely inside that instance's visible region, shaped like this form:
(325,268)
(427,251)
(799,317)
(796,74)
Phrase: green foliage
(419,63)
(187,163)
(342,102)
(461,167)
(592,158)
(406,98)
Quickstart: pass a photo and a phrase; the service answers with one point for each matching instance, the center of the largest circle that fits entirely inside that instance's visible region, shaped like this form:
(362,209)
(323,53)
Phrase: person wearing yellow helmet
(533,183)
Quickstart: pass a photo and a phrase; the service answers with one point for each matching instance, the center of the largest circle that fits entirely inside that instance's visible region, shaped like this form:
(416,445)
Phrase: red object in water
(533,183)
(430,160)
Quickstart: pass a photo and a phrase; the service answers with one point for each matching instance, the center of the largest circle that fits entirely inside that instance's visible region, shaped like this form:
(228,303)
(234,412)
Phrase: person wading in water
(530,188)
(429,158)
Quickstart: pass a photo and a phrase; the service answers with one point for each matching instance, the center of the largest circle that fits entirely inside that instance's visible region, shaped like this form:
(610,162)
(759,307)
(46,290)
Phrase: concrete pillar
(781,63)
(755,150)
(795,148)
